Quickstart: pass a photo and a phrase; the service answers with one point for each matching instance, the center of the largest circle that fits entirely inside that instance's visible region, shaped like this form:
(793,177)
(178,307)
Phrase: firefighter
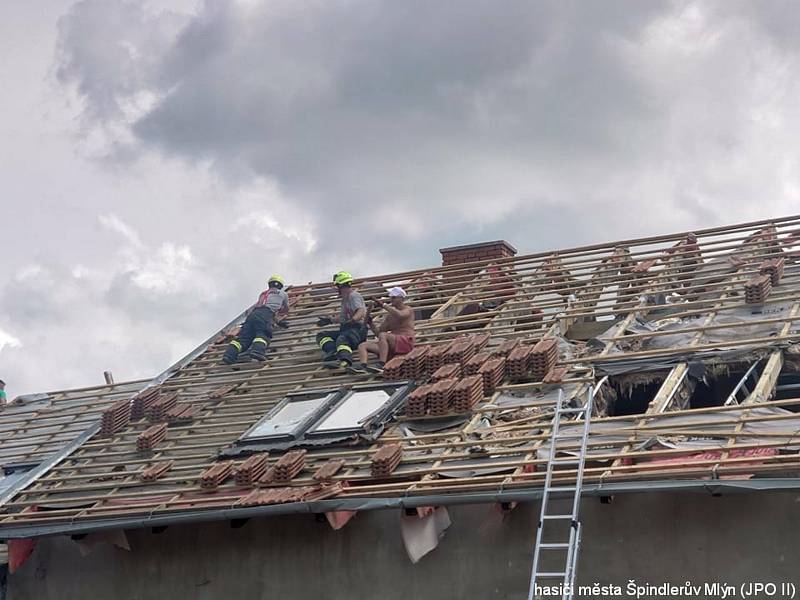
(3,399)
(338,345)
(256,333)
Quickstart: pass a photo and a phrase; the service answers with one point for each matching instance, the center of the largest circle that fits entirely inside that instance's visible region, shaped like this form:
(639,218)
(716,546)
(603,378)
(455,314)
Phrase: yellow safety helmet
(342,278)
(276,279)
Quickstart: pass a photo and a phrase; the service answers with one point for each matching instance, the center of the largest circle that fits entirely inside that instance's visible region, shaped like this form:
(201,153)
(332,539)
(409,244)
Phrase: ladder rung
(572,411)
(554,546)
(557,517)
(551,574)
(562,488)
(565,461)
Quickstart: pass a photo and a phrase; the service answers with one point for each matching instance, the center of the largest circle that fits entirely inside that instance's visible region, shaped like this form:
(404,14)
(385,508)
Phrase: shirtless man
(395,333)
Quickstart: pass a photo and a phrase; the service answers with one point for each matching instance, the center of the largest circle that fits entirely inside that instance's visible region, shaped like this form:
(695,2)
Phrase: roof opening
(631,394)
(788,387)
(715,390)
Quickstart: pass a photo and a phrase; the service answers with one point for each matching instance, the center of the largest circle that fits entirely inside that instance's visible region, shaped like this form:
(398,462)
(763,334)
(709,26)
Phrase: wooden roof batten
(706,269)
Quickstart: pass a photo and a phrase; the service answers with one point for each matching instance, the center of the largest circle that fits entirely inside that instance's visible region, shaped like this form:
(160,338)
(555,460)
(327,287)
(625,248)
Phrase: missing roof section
(631,394)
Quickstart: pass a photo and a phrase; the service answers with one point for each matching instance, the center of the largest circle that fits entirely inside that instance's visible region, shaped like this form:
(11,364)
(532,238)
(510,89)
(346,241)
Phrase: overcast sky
(159,159)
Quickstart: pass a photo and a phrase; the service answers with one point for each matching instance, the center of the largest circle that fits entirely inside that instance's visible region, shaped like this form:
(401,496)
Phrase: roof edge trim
(714,487)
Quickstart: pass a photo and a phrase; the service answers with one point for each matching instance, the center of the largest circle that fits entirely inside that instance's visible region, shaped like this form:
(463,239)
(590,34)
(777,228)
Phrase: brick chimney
(457,255)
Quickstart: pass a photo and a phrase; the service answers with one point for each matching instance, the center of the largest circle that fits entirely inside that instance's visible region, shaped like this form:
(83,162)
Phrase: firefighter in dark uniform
(256,333)
(338,345)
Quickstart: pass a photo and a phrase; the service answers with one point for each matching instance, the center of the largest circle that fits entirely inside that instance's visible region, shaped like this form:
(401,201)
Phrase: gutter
(713,487)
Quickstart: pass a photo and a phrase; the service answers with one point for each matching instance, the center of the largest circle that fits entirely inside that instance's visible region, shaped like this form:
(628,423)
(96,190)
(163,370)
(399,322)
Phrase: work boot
(329,360)
(377,368)
(258,351)
(231,354)
(359,369)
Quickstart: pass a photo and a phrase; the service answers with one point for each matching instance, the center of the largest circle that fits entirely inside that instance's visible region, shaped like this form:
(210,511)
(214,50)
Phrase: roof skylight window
(354,411)
(330,414)
(291,416)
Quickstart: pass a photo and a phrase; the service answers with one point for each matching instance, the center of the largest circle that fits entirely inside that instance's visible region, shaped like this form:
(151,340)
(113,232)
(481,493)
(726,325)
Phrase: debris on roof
(691,340)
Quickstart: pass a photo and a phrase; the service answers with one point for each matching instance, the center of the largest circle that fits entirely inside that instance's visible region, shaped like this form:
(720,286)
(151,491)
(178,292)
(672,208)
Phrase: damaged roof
(34,427)
(688,340)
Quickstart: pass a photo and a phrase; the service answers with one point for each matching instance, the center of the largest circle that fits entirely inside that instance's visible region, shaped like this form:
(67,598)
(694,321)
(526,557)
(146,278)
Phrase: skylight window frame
(330,397)
(371,421)
(304,433)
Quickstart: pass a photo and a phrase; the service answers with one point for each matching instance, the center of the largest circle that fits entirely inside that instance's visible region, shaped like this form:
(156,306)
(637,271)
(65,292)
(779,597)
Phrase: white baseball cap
(397,292)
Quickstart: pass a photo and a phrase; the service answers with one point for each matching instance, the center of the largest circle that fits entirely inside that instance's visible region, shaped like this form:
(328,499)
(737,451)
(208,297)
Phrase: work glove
(284,324)
(322,321)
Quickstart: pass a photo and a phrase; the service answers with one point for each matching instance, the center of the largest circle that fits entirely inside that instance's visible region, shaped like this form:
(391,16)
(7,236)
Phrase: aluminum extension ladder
(569,544)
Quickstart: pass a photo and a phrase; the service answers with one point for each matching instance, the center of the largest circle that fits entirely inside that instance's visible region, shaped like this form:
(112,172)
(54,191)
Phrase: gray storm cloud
(208,145)
(468,112)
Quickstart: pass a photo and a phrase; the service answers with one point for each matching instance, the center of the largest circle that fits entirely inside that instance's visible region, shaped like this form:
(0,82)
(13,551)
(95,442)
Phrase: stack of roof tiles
(268,478)
(151,437)
(544,357)
(214,475)
(447,371)
(415,365)
(182,414)
(774,268)
(757,289)
(416,404)
(439,396)
(143,401)
(158,410)
(460,351)
(116,417)
(251,470)
(386,460)
(480,340)
(505,348)
(474,364)
(395,368)
(289,465)
(436,357)
(492,372)
(467,393)
(556,374)
(518,363)
(329,469)
(157,470)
